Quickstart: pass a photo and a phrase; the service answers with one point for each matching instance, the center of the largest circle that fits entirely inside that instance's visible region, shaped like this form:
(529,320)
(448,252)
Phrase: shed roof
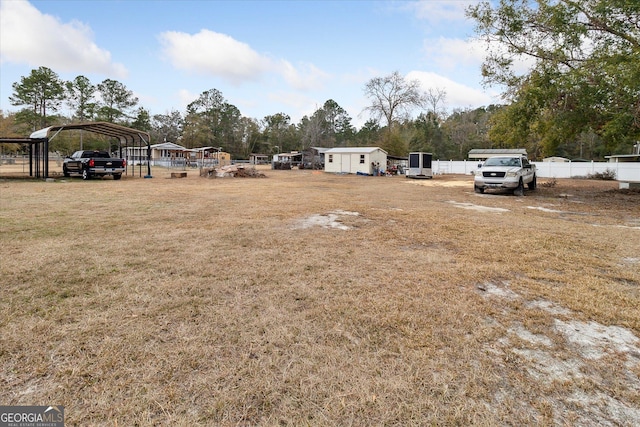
(321,150)
(358,150)
(555,159)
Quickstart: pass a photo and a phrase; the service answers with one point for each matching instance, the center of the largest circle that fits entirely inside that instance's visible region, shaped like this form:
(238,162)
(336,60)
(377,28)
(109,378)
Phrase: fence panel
(624,171)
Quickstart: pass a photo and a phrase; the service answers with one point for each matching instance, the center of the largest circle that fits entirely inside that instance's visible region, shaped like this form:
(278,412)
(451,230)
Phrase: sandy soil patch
(477,208)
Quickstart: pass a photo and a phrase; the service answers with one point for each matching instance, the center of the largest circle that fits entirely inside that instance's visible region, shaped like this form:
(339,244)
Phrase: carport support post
(46,158)
(148,161)
(148,175)
(30,159)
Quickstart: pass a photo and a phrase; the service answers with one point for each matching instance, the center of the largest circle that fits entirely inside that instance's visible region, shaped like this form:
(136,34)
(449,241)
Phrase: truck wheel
(519,191)
(533,184)
(477,189)
(65,172)
(85,174)
(117,176)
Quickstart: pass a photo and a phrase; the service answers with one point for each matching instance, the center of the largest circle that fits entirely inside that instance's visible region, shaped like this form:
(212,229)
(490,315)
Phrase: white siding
(344,160)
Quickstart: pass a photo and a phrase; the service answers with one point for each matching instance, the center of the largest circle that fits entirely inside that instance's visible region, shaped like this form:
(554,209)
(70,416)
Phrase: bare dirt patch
(316,299)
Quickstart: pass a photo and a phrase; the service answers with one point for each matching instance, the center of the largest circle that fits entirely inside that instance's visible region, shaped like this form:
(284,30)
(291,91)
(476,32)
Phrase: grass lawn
(306,298)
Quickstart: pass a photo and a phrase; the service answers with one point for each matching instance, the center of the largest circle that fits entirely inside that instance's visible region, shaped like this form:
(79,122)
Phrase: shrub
(550,184)
(607,175)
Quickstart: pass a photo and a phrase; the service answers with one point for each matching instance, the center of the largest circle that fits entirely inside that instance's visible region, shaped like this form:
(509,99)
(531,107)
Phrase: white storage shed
(358,160)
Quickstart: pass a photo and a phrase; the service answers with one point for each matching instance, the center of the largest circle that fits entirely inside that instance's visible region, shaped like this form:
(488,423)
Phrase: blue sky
(266,57)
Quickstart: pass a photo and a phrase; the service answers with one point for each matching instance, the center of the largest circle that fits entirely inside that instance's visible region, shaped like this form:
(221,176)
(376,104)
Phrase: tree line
(579,99)
(211,120)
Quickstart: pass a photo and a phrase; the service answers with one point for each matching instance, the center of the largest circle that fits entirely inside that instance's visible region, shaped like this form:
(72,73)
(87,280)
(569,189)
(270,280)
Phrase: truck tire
(86,174)
(117,176)
(519,191)
(65,172)
(478,190)
(533,184)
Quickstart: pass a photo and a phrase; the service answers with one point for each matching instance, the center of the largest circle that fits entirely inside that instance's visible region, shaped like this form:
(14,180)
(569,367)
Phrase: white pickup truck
(510,172)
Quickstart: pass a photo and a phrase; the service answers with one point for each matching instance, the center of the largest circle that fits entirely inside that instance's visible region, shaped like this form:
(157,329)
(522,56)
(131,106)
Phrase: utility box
(420,165)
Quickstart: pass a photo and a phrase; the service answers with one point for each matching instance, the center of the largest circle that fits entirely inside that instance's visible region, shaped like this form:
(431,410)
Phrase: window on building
(330,158)
(362,158)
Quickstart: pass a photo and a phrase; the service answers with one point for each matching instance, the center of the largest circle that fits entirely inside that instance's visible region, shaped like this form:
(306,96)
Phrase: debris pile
(232,171)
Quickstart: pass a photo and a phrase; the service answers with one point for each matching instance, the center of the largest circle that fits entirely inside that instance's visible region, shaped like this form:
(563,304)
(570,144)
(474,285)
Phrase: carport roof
(124,134)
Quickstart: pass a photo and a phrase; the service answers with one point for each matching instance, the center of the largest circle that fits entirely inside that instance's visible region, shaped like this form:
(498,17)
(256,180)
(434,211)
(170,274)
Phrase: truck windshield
(95,154)
(502,161)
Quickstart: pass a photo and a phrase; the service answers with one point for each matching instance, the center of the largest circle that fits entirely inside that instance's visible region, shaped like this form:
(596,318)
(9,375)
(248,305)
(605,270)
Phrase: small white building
(359,160)
(556,159)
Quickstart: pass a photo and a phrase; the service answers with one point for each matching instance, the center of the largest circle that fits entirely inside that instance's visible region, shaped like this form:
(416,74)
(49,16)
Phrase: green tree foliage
(42,92)
(369,134)
(312,131)
(196,131)
(167,127)
(9,128)
(427,135)
(465,130)
(329,126)
(248,139)
(80,97)
(142,120)
(394,142)
(116,102)
(338,123)
(585,73)
(230,128)
(278,131)
(212,121)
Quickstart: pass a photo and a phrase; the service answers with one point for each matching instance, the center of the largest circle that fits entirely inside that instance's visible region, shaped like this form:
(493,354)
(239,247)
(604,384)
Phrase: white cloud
(306,77)
(296,100)
(216,54)
(211,53)
(30,37)
(185,97)
(458,95)
(439,11)
(448,53)
(471,53)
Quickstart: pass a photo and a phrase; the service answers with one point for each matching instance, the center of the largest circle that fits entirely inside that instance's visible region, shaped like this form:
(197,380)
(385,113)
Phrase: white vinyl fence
(624,171)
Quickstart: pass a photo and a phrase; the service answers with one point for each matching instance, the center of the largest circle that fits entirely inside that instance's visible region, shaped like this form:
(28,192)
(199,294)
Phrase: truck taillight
(124,163)
(92,163)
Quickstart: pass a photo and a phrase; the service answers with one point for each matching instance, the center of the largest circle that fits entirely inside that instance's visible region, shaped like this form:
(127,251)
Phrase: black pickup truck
(89,163)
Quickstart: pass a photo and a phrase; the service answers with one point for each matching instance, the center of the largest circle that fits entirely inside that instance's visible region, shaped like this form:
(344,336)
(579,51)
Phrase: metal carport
(39,143)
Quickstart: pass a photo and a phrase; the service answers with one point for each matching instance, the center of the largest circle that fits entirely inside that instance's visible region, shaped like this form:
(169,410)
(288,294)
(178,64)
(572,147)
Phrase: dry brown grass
(226,302)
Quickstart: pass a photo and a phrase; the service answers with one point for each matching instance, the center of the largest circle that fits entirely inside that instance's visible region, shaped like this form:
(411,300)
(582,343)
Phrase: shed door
(345,163)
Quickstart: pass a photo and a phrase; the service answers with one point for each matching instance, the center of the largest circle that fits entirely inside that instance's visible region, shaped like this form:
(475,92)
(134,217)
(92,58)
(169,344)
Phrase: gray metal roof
(124,134)
(357,150)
